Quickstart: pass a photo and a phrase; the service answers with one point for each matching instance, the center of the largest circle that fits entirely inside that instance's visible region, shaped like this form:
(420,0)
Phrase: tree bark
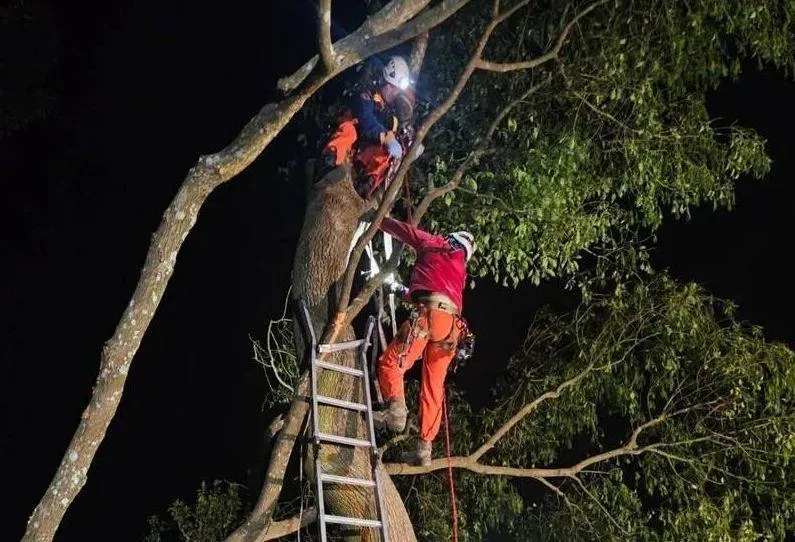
(332,215)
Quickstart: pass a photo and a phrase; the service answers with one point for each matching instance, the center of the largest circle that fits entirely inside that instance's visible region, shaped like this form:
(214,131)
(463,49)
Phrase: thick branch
(118,352)
(324,35)
(364,41)
(470,462)
(393,15)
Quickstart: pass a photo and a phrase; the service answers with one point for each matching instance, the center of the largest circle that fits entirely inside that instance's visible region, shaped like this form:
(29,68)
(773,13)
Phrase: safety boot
(393,417)
(421,457)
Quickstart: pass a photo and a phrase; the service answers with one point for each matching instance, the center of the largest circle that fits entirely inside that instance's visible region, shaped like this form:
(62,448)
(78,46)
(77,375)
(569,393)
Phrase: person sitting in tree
(367,135)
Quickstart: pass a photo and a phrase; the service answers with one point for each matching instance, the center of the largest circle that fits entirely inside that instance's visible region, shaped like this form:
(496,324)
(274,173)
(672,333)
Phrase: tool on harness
(465,347)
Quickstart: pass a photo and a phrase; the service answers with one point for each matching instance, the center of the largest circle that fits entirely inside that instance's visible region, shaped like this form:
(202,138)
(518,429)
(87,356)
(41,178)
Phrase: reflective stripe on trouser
(433,337)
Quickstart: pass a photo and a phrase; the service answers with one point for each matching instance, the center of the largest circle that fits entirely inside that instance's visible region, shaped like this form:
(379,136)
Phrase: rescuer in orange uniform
(366,134)
(436,290)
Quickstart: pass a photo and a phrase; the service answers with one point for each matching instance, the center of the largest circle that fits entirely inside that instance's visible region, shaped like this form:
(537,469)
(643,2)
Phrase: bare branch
(552,54)
(559,493)
(418,48)
(393,15)
(324,35)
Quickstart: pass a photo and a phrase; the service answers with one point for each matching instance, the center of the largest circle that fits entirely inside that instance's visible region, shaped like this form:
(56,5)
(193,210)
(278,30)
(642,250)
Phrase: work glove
(394,149)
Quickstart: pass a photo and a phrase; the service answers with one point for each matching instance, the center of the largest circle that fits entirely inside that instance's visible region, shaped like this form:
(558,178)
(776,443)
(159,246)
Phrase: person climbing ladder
(432,332)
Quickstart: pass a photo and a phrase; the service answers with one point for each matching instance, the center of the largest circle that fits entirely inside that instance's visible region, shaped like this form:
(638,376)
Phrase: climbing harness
(329,439)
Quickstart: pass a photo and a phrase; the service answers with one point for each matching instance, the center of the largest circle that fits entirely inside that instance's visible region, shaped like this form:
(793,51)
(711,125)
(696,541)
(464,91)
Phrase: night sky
(140,90)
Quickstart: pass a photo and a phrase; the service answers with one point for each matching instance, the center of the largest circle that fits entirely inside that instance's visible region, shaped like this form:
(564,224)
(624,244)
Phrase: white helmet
(396,72)
(466,240)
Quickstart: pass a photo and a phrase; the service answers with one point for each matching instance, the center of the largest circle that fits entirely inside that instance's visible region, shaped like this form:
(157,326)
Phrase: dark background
(138,90)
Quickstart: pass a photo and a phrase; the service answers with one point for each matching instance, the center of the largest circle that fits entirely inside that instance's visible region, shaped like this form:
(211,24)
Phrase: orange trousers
(342,141)
(372,161)
(433,336)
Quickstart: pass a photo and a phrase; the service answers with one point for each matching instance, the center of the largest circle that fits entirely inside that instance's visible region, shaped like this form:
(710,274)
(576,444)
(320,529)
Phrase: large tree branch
(118,352)
(390,32)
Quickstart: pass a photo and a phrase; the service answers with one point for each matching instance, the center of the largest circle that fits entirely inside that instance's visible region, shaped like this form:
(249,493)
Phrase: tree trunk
(332,215)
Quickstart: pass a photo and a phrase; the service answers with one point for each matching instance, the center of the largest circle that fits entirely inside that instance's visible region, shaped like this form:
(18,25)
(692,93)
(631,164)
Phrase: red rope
(450,470)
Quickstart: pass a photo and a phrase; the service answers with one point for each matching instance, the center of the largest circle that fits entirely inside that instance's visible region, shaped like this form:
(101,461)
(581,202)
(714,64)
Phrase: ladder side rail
(374,458)
(313,370)
(321,508)
(380,501)
(366,381)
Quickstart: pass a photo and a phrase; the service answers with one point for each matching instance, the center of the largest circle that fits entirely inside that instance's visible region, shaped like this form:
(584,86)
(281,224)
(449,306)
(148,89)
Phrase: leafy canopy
(617,134)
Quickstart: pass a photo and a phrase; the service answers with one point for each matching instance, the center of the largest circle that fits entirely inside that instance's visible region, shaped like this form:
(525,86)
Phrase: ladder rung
(339,368)
(336,347)
(341,403)
(334,479)
(342,520)
(348,441)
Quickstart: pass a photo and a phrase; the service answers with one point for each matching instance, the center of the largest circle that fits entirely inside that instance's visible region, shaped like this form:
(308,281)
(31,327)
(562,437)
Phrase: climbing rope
(450,469)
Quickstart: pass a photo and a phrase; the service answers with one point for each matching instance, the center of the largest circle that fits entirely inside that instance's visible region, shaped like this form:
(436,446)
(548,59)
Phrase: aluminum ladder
(319,438)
